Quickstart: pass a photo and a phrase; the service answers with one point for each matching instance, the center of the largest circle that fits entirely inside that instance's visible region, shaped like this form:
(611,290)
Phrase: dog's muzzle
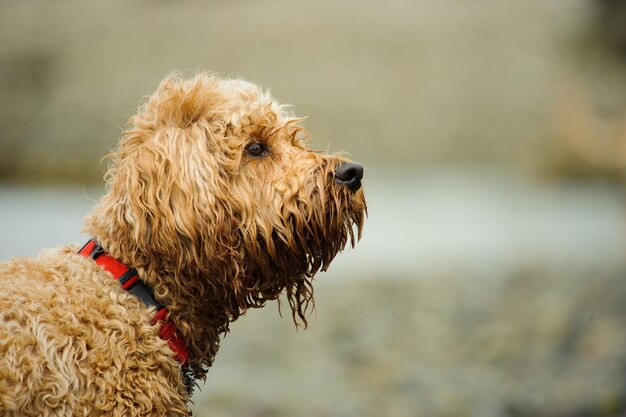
(350,175)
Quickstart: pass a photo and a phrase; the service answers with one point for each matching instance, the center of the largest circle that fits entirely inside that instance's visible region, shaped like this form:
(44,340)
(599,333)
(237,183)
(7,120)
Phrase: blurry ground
(490,280)
(531,342)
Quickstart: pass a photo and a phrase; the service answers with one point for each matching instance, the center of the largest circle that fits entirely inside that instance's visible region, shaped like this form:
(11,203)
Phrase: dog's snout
(349,174)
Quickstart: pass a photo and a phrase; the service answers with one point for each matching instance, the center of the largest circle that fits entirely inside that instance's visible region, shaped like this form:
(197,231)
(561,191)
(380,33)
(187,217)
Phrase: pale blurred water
(417,221)
(33,218)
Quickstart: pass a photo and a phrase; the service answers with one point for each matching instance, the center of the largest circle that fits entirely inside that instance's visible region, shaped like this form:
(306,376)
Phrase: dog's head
(214,185)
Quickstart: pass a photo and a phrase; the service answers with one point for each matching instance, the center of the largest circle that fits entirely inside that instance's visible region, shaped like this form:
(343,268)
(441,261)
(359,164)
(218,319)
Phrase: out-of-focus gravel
(537,342)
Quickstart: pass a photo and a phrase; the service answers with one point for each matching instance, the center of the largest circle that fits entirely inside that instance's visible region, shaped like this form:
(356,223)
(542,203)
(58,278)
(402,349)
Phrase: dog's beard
(319,226)
(323,238)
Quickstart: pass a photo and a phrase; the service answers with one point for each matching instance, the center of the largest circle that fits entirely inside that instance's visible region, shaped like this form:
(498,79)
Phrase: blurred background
(491,277)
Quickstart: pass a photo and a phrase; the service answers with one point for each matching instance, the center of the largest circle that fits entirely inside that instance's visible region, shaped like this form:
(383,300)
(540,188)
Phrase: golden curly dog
(218,205)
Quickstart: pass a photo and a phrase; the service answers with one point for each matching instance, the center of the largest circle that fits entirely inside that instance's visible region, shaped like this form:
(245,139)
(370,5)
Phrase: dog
(214,205)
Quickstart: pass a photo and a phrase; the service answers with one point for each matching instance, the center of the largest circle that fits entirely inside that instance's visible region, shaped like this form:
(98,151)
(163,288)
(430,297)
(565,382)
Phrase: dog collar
(130,281)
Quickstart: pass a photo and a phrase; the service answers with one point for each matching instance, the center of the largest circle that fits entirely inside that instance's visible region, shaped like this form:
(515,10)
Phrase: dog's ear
(167,208)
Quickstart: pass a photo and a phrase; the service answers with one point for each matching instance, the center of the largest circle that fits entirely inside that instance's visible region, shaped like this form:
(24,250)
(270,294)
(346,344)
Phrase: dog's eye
(256,150)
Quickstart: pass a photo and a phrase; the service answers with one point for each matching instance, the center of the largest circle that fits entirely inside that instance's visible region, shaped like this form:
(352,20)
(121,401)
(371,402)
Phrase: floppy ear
(168,192)
(156,198)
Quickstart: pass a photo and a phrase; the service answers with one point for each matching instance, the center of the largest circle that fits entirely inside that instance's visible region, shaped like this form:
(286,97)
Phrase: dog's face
(293,211)
(222,174)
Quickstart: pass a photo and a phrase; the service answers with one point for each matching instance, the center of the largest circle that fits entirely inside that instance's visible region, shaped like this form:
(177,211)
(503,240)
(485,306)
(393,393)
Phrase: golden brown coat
(211,226)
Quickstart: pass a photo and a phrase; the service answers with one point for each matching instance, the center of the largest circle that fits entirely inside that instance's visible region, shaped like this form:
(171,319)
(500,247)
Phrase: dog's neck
(178,288)
(131,282)
(201,325)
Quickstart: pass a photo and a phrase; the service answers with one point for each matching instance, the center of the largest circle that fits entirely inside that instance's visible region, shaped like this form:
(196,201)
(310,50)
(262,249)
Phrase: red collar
(131,282)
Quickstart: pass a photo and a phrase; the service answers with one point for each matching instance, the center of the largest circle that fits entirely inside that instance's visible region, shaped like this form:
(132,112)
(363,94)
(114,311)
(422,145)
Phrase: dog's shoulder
(64,322)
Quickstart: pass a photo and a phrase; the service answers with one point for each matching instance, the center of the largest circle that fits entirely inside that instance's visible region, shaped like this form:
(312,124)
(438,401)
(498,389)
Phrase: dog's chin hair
(318,258)
(335,219)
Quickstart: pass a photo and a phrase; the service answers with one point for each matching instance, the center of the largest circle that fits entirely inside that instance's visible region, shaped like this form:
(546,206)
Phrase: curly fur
(211,229)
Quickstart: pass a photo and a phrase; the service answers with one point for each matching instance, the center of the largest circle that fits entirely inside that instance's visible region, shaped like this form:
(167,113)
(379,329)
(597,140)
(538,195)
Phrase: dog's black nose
(350,174)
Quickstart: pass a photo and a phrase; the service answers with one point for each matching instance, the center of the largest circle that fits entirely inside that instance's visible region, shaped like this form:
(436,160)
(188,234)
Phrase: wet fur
(211,229)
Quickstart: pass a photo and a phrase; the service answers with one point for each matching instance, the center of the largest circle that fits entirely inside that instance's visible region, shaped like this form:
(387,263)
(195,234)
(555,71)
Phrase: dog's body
(215,200)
